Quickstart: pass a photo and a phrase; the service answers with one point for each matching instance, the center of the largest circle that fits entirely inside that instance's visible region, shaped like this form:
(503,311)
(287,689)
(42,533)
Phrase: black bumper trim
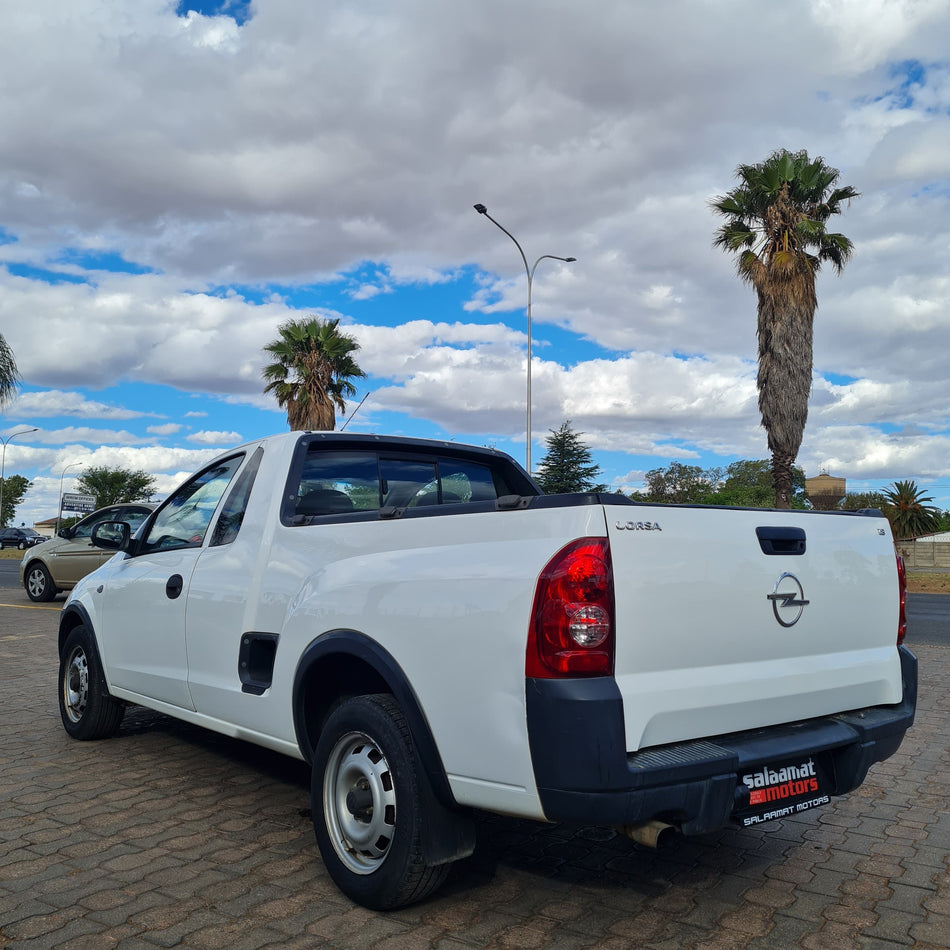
(584,773)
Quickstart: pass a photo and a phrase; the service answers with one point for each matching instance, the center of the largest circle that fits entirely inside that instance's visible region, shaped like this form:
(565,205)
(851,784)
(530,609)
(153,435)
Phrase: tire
(87,710)
(367,805)
(21,546)
(38,583)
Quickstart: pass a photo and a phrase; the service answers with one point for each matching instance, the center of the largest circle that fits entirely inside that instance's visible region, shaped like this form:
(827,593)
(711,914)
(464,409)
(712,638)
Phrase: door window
(183,520)
(232,511)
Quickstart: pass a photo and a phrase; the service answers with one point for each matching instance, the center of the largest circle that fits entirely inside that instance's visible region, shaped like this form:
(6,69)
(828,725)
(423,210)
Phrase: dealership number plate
(777,790)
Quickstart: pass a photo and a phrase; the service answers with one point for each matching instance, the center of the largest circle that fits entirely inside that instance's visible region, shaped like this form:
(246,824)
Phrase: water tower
(824,491)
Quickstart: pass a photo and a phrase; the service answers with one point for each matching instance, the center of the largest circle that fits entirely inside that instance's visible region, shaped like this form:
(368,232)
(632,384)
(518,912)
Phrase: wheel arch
(38,561)
(343,663)
(72,616)
(75,615)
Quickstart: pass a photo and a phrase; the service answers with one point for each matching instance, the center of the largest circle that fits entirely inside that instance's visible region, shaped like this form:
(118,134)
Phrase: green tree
(9,375)
(112,486)
(856,500)
(776,225)
(748,484)
(567,465)
(909,510)
(680,484)
(312,372)
(14,488)
(745,484)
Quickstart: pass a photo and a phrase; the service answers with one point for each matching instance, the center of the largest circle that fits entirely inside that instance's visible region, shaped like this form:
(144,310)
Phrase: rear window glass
(344,482)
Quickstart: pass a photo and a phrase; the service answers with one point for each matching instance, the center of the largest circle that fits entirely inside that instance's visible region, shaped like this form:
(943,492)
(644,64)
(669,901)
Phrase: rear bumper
(583,772)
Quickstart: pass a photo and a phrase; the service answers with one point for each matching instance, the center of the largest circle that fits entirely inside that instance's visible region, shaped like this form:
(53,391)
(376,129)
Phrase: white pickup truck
(435,635)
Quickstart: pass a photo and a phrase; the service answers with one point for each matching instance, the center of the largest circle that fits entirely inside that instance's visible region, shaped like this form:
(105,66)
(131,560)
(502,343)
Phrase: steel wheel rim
(357,772)
(37,582)
(76,685)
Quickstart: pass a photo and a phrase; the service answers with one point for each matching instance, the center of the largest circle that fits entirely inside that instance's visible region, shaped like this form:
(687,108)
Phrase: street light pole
(3,464)
(59,511)
(529,271)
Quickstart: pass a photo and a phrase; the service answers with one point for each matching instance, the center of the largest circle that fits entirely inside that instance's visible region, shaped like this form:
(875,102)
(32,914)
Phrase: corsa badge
(788,600)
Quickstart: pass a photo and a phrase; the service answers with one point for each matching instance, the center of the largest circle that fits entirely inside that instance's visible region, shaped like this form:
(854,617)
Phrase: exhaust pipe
(647,834)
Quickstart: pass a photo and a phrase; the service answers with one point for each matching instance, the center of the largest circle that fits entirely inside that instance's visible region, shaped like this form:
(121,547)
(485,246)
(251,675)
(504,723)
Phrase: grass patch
(921,582)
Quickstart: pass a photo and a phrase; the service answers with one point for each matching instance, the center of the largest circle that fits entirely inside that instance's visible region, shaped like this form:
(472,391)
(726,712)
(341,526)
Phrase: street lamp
(59,510)
(3,463)
(481,209)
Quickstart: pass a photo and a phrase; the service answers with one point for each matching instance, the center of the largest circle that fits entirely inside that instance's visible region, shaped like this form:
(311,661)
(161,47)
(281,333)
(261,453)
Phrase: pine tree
(567,466)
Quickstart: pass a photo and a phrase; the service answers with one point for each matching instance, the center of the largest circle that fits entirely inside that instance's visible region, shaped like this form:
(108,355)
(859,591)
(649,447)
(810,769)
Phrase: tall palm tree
(312,372)
(776,224)
(9,375)
(908,510)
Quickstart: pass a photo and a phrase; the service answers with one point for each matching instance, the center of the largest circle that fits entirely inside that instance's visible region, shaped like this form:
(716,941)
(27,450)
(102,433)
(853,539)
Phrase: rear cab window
(333,482)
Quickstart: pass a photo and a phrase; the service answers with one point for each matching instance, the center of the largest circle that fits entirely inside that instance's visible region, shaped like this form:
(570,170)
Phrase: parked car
(60,562)
(21,538)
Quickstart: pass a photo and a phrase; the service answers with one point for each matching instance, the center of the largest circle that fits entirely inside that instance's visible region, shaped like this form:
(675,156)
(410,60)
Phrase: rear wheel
(38,583)
(367,811)
(87,710)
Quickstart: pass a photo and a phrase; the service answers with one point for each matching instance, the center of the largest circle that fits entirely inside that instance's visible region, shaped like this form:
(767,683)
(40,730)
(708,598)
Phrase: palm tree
(312,372)
(775,223)
(9,375)
(908,510)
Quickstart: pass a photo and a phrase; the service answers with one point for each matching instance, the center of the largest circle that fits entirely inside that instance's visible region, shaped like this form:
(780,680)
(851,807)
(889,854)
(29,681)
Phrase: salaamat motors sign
(772,786)
(786,788)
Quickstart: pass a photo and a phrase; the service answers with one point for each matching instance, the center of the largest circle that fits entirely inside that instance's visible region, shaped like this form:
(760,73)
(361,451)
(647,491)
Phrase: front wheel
(38,583)
(367,805)
(87,710)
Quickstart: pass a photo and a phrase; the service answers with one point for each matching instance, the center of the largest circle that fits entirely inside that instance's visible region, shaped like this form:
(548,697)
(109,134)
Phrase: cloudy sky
(176,181)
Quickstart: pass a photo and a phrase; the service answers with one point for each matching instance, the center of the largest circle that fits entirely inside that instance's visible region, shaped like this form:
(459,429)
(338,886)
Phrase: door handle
(173,586)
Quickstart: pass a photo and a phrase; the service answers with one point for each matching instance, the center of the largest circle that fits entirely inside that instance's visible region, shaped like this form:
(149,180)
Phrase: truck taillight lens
(572,623)
(902,591)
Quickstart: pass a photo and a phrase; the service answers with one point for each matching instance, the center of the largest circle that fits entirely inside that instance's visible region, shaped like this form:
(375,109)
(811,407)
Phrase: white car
(434,635)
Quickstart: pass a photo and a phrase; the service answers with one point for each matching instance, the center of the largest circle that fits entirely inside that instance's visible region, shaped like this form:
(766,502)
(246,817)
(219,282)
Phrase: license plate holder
(781,788)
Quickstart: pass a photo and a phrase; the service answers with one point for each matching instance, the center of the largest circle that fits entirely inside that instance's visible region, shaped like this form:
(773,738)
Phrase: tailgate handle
(781,540)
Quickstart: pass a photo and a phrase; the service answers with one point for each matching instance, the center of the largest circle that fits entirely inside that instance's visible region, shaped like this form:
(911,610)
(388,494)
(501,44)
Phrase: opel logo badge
(788,600)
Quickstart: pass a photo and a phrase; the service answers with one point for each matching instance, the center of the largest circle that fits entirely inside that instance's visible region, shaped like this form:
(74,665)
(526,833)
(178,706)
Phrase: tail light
(572,624)
(902,593)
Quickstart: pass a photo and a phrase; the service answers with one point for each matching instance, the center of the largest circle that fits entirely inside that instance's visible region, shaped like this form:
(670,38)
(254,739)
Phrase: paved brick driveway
(169,836)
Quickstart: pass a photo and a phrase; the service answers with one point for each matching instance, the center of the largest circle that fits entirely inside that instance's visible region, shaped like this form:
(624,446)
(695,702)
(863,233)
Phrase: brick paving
(170,836)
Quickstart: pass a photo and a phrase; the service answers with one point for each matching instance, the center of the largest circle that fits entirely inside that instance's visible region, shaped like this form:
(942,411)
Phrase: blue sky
(176,180)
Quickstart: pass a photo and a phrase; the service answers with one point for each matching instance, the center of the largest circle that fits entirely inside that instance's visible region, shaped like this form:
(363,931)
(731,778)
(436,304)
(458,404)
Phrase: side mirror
(66,533)
(111,535)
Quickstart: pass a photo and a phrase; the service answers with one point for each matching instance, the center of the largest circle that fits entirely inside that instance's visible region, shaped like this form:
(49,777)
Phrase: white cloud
(54,402)
(222,439)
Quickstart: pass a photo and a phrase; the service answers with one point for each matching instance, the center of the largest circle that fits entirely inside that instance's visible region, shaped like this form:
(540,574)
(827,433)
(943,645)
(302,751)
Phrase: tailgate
(727,622)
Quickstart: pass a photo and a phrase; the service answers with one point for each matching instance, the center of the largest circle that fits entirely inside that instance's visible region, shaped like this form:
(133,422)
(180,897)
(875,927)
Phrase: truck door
(143,622)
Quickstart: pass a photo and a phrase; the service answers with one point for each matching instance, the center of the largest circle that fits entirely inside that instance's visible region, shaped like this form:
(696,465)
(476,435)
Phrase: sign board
(82,503)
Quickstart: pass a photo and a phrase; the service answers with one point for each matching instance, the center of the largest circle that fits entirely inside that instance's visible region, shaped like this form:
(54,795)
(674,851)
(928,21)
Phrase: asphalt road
(928,619)
(9,572)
